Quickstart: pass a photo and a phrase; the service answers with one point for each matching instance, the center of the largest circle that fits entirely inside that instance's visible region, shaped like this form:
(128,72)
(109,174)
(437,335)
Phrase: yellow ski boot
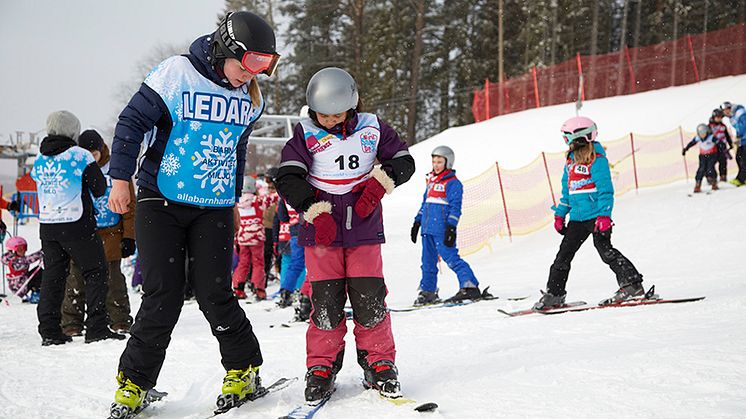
(128,400)
(238,387)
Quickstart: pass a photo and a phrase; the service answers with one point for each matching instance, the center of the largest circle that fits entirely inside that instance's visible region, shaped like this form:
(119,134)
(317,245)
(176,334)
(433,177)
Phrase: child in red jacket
(250,240)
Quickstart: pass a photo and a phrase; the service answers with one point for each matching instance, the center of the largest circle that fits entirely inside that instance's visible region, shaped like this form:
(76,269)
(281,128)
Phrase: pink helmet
(579,127)
(15,242)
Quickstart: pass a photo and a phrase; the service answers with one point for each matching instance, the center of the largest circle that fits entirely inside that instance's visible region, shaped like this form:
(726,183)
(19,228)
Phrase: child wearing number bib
(328,174)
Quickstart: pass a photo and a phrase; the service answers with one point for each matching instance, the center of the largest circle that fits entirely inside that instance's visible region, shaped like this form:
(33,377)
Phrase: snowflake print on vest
(105,217)
(579,178)
(59,181)
(340,163)
(199,163)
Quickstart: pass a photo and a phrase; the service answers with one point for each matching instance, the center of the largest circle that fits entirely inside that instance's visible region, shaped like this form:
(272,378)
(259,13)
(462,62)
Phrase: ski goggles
(585,134)
(260,62)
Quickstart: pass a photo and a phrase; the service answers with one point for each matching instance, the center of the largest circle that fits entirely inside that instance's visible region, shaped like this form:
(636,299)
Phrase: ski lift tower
(20,148)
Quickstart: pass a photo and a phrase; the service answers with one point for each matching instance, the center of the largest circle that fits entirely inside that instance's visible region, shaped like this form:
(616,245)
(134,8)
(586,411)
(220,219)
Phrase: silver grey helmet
(331,91)
(703,130)
(446,153)
(726,105)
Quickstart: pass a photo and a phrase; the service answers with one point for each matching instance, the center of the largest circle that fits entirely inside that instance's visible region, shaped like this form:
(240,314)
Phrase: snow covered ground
(683,360)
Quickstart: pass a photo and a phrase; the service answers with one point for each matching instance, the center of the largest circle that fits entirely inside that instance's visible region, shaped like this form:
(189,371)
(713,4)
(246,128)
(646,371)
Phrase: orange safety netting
(682,61)
(517,202)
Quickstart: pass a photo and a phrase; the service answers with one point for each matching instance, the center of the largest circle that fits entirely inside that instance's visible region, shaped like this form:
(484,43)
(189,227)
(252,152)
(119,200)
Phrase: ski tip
(426,407)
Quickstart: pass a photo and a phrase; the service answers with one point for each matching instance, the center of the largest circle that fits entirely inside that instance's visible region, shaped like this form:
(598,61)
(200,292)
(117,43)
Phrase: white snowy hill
(685,360)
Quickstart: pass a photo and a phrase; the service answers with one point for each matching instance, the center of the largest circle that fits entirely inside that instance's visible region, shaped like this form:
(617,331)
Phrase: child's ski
(306,411)
(633,303)
(550,311)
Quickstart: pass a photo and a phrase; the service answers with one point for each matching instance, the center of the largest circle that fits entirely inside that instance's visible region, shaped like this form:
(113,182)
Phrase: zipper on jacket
(348,223)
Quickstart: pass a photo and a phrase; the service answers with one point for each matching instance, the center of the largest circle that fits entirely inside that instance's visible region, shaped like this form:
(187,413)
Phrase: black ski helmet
(242,32)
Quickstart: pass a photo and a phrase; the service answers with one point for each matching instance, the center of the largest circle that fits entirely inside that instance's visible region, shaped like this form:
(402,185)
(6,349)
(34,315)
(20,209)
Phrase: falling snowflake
(217,161)
(180,184)
(182,151)
(170,165)
(195,125)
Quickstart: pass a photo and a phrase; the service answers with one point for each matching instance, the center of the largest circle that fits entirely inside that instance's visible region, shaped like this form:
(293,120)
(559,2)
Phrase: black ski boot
(108,334)
(319,384)
(303,309)
(286,299)
(625,293)
(426,298)
(383,376)
(549,301)
(471,293)
(56,340)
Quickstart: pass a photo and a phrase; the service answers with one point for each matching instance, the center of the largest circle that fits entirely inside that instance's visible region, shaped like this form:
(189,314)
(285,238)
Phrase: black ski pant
(268,251)
(722,163)
(575,234)
(166,232)
(741,161)
(706,167)
(89,256)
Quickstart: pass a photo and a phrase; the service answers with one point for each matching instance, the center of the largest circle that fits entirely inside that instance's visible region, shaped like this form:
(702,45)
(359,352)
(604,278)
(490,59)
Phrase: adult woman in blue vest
(197,111)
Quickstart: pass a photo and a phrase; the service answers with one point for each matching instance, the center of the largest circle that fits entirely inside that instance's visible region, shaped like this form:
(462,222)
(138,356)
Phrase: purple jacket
(314,150)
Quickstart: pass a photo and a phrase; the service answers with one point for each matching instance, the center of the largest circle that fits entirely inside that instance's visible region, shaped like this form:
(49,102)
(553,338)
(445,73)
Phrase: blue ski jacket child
(587,190)
(738,120)
(441,203)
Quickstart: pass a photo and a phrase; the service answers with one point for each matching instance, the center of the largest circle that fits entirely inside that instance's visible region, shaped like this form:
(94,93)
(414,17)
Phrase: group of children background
(267,240)
(715,145)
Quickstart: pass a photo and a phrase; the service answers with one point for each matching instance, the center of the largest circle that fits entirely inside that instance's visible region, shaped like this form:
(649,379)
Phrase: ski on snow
(649,298)
(307,411)
(486,296)
(278,385)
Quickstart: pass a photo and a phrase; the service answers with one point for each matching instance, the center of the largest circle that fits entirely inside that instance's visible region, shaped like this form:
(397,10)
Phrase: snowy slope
(658,361)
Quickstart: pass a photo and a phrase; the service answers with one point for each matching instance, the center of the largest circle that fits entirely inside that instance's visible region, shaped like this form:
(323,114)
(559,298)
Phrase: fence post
(505,206)
(634,160)
(691,54)
(580,75)
(681,140)
(549,179)
(536,87)
(486,99)
(632,79)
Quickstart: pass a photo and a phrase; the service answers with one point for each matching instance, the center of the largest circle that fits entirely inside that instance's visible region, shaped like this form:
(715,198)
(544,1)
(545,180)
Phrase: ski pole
(2,249)
(28,280)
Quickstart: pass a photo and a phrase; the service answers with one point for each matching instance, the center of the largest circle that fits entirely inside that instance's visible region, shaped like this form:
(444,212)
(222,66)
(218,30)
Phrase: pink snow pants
(250,257)
(334,274)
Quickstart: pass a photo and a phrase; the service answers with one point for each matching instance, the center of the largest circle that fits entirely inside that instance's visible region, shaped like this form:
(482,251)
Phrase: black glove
(14,206)
(3,230)
(450,239)
(683,152)
(128,247)
(415,231)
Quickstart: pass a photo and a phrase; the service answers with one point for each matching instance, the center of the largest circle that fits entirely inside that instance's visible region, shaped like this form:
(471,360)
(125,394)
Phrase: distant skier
(439,216)
(198,110)
(737,116)
(724,143)
(250,240)
(293,271)
(588,197)
(23,280)
(327,173)
(708,156)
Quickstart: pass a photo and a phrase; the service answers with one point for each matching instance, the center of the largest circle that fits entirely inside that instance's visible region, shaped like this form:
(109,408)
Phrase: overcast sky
(73,54)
